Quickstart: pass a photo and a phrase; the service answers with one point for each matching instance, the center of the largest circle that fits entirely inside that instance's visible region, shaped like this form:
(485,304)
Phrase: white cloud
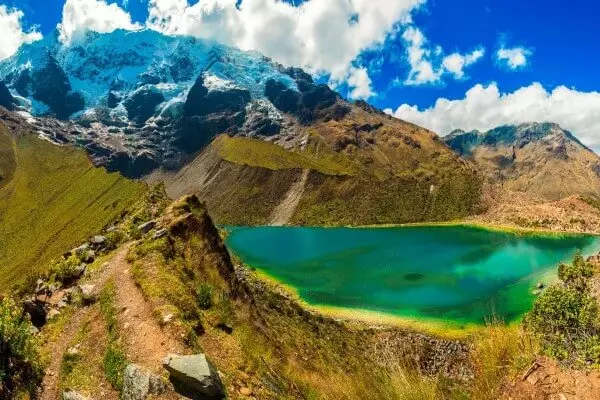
(485,107)
(359,80)
(514,58)
(427,65)
(12,35)
(455,63)
(324,36)
(80,16)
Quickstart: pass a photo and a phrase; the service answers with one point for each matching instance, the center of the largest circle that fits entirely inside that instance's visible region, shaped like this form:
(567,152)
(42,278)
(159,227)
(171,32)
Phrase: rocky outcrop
(312,102)
(142,104)
(50,85)
(194,376)
(208,113)
(139,383)
(6,99)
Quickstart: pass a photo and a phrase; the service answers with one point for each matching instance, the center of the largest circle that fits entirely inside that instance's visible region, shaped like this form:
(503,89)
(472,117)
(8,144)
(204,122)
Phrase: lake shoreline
(368,317)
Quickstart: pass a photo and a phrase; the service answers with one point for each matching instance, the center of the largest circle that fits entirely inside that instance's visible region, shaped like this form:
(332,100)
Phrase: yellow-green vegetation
(7,156)
(20,360)
(259,153)
(54,200)
(500,353)
(262,340)
(566,317)
(80,366)
(115,360)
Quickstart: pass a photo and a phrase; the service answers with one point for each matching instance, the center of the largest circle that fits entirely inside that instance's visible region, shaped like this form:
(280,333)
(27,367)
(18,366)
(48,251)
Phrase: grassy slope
(55,199)
(341,190)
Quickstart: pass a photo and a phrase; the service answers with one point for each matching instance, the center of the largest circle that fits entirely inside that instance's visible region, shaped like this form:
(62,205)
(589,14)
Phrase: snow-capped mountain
(137,100)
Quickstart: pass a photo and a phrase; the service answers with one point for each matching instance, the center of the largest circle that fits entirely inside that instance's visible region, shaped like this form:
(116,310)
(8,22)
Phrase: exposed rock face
(194,376)
(50,85)
(138,383)
(6,99)
(537,158)
(142,104)
(211,112)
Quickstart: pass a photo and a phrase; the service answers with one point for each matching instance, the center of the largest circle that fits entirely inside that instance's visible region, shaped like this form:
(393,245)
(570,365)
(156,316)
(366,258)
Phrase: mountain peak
(528,157)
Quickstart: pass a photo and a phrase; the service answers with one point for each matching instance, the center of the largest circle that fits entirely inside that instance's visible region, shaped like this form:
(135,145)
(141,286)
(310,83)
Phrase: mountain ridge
(157,103)
(537,158)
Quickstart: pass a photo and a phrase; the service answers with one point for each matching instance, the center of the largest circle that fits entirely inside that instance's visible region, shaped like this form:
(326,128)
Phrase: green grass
(258,153)
(55,199)
(114,361)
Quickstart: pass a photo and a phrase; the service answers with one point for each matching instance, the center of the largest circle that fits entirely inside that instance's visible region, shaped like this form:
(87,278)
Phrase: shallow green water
(456,274)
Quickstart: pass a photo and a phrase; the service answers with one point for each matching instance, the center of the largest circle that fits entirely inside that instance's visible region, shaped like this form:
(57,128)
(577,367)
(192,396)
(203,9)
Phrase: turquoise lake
(454,274)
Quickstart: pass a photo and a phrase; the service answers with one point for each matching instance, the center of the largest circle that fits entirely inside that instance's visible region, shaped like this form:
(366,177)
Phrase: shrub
(20,363)
(114,239)
(566,317)
(204,295)
(65,271)
(577,273)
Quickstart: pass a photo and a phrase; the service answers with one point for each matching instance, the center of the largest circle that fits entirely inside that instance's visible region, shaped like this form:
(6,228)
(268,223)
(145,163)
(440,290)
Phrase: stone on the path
(138,383)
(52,314)
(147,226)
(88,293)
(194,376)
(73,395)
(159,234)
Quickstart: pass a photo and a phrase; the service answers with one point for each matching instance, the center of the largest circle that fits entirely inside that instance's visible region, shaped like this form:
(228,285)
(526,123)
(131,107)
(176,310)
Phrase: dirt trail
(545,380)
(49,388)
(146,342)
(285,211)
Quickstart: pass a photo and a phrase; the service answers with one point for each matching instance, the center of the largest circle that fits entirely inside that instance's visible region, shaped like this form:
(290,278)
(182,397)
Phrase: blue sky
(558,41)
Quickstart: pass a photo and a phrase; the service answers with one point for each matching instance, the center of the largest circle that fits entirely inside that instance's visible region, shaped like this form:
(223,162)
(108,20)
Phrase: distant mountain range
(537,158)
(261,143)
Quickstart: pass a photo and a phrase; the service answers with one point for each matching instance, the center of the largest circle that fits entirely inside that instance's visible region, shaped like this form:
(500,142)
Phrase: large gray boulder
(194,376)
(138,383)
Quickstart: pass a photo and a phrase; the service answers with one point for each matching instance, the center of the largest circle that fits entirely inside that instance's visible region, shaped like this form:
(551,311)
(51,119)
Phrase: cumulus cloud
(427,63)
(456,63)
(80,16)
(485,107)
(324,36)
(359,80)
(514,58)
(12,35)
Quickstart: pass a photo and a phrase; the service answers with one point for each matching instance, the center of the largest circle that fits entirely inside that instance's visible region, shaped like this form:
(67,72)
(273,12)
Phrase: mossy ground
(54,200)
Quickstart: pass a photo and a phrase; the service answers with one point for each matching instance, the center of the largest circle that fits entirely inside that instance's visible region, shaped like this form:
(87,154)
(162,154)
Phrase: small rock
(194,376)
(139,383)
(88,293)
(167,319)
(89,257)
(73,395)
(228,329)
(98,241)
(245,391)
(81,250)
(147,226)
(540,285)
(159,234)
(52,314)
(111,229)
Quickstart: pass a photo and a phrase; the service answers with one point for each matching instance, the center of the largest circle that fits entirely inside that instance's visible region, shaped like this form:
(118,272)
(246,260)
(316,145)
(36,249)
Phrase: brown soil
(522,210)
(146,343)
(545,380)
